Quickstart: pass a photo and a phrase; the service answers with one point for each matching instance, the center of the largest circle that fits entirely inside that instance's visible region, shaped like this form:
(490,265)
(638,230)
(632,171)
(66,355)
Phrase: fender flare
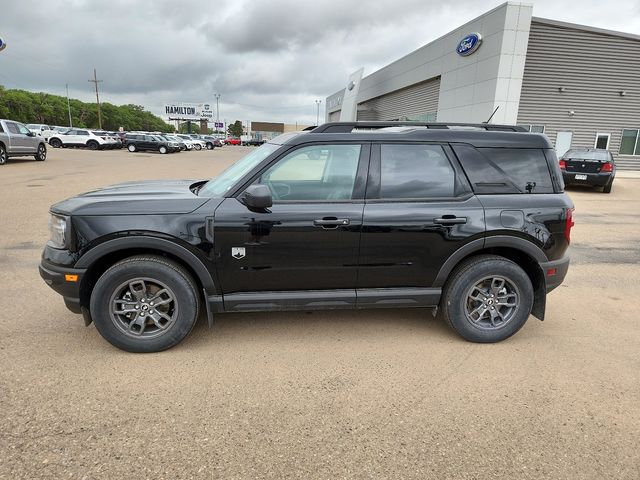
(479,244)
(161,244)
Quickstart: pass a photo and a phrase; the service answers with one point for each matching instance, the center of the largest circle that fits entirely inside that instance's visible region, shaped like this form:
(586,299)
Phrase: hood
(150,197)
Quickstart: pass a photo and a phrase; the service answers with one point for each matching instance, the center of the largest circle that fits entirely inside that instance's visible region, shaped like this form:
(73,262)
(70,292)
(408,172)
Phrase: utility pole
(69,105)
(95,81)
(217,95)
(318,102)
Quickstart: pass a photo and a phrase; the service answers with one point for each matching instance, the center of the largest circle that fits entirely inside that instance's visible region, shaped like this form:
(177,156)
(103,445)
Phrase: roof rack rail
(347,127)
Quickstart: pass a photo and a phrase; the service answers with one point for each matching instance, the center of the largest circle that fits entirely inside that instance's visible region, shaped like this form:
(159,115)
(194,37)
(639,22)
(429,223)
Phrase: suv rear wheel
(162,149)
(92,144)
(487,299)
(131,147)
(145,303)
(55,142)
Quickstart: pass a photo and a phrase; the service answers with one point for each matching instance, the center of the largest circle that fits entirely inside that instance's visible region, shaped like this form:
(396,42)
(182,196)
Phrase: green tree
(235,129)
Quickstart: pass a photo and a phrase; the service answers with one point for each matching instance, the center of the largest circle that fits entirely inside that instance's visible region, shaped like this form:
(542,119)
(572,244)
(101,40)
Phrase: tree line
(39,107)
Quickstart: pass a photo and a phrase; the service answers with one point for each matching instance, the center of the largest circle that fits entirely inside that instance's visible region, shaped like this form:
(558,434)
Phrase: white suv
(45,131)
(77,137)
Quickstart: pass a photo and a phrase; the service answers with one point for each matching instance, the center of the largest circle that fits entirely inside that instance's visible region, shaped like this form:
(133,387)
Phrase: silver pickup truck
(16,140)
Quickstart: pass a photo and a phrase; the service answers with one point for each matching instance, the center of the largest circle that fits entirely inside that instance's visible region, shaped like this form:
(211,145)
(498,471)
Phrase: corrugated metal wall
(593,68)
(419,100)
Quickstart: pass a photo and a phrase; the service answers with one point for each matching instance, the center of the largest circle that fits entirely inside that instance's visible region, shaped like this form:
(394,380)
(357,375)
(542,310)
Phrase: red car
(232,141)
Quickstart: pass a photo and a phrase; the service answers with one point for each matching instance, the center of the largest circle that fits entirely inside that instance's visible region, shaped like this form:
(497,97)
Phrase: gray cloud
(269,60)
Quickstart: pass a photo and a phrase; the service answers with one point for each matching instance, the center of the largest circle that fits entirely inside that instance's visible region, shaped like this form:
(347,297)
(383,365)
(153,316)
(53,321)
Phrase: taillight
(568,224)
(563,164)
(607,167)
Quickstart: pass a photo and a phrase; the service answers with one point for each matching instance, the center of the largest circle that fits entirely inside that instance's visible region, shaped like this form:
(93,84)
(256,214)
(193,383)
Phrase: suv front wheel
(487,299)
(145,303)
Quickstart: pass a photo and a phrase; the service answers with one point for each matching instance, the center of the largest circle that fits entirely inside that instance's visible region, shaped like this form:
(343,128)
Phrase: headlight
(58,231)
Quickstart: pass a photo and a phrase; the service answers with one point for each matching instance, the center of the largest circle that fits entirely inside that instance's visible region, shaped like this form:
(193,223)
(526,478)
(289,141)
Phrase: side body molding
(161,244)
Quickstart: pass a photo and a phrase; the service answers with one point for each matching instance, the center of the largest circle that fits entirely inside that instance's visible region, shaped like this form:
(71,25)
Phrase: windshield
(588,154)
(218,186)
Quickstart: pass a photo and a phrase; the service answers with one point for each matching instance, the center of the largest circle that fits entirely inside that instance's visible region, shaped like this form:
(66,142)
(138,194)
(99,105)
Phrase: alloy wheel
(492,302)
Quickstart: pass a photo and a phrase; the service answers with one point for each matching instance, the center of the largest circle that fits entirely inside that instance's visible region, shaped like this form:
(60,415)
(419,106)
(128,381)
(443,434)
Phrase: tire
(3,155)
(197,146)
(131,147)
(92,145)
(209,146)
(147,276)
(476,319)
(41,156)
(607,188)
(162,149)
(55,142)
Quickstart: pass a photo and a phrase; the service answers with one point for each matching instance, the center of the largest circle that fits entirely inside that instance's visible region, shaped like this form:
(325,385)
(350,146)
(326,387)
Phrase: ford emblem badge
(469,44)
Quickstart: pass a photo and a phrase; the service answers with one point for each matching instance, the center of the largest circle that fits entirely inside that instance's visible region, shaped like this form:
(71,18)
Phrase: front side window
(630,144)
(415,171)
(22,129)
(314,173)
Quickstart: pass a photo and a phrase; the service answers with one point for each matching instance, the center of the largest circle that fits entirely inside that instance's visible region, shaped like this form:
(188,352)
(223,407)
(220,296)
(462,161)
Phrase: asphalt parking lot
(365,394)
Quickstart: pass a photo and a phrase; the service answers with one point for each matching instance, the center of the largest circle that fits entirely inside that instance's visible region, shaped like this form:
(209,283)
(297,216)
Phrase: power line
(95,81)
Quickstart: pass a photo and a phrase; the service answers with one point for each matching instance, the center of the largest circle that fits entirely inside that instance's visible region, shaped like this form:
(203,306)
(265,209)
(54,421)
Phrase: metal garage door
(417,102)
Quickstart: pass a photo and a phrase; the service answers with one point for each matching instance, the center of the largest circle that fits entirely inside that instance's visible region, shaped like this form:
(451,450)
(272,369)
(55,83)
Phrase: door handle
(450,220)
(331,223)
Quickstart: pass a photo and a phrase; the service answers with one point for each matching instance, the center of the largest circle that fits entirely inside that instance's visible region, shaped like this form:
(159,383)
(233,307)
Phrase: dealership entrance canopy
(577,84)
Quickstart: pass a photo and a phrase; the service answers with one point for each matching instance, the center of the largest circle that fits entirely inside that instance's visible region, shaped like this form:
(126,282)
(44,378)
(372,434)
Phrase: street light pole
(217,95)
(318,102)
(68,105)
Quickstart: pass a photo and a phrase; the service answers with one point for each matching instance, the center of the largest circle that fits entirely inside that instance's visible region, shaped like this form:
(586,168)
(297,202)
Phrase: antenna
(494,112)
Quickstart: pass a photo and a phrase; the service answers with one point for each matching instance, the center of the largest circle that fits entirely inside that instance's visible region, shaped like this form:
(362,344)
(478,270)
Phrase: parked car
(173,138)
(196,143)
(111,141)
(16,140)
(144,142)
(589,166)
(233,141)
(41,129)
(211,142)
(474,222)
(80,137)
(188,141)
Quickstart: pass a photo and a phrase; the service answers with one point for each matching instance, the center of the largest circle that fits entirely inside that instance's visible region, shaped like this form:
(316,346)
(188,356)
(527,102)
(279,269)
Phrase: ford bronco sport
(471,219)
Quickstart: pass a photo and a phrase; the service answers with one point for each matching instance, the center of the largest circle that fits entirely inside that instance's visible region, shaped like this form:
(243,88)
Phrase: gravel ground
(365,394)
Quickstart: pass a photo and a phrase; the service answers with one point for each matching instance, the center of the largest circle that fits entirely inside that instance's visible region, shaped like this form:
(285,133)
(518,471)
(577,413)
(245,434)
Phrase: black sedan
(589,166)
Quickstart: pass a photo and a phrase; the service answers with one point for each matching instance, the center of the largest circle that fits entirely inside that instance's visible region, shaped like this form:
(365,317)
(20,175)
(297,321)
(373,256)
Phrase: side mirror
(257,196)
(31,134)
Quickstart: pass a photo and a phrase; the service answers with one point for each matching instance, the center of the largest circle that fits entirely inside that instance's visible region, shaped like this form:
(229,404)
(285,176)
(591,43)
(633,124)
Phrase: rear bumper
(554,272)
(57,277)
(595,179)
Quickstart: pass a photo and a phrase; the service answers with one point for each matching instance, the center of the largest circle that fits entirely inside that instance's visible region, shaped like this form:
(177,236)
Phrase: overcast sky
(270,60)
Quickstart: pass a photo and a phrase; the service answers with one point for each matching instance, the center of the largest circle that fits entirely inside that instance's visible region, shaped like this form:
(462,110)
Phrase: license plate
(581,177)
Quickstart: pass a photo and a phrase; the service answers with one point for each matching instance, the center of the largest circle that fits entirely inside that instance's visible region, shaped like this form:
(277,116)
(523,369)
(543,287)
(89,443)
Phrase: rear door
(308,240)
(419,210)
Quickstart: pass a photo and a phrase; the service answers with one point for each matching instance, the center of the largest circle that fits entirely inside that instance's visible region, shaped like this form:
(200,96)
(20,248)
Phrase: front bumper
(65,281)
(554,272)
(595,179)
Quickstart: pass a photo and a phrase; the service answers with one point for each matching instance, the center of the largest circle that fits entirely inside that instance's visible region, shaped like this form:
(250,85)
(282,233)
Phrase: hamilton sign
(189,111)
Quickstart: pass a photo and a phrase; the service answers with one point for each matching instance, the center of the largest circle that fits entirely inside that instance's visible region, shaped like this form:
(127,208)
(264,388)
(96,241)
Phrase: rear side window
(415,171)
(505,170)
(12,127)
(1,129)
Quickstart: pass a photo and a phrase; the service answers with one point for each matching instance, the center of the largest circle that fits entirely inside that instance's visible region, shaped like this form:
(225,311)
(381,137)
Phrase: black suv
(151,143)
(469,219)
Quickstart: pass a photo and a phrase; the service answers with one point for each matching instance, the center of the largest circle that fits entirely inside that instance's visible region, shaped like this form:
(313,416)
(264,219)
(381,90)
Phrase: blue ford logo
(2,45)
(469,44)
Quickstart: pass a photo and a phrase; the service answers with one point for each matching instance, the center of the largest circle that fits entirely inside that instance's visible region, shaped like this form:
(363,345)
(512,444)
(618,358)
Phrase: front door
(563,143)
(308,239)
(419,211)
(21,141)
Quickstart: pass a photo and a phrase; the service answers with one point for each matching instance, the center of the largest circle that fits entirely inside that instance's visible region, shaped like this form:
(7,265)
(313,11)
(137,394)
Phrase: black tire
(464,281)
(131,147)
(607,188)
(197,146)
(55,142)
(92,145)
(162,149)
(41,156)
(3,155)
(210,146)
(148,268)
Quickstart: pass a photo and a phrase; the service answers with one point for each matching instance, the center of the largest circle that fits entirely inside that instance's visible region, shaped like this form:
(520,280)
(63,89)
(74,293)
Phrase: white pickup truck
(41,129)
(16,140)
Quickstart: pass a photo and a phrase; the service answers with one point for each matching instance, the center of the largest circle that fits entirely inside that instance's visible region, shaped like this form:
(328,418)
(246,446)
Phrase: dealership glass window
(533,128)
(629,144)
(602,141)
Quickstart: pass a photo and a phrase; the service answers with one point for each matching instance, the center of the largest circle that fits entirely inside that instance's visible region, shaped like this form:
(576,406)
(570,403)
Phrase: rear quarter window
(505,170)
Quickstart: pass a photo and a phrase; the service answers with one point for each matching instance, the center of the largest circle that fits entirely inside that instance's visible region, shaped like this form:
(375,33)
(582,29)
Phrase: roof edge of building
(586,28)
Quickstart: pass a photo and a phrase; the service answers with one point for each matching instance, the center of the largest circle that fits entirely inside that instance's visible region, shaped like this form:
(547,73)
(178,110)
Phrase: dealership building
(578,84)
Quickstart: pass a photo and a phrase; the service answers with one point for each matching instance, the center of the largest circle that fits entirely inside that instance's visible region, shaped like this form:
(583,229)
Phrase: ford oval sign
(2,45)
(469,44)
